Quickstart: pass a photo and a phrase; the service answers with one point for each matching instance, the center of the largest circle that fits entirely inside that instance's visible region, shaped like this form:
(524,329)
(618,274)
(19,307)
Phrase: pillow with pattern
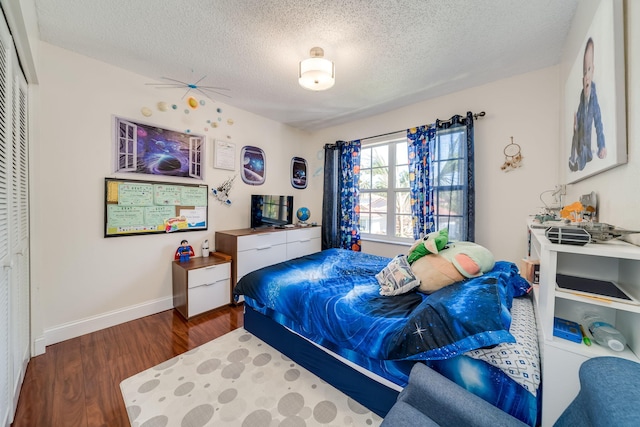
(397,278)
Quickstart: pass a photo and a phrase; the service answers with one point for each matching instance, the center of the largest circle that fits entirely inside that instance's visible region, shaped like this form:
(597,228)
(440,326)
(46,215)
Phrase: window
(449,181)
(385,212)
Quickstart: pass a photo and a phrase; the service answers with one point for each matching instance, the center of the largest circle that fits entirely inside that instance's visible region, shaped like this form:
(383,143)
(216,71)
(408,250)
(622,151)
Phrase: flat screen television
(271,210)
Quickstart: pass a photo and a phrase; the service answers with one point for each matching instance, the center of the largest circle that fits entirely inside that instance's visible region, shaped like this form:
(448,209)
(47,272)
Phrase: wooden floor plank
(68,388)
(77,382)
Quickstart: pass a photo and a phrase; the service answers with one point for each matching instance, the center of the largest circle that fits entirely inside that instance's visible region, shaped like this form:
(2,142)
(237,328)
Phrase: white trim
(95,323)
(367,238)
(39,346)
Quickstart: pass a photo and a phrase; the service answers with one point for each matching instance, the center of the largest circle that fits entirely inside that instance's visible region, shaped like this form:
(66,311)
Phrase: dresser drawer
(303,247)
(303,234)
(209,296)
(209,275)
(261,241)
(251,260)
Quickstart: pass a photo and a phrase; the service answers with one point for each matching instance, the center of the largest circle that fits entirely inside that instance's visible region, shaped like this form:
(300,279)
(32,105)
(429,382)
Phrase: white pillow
(397,278)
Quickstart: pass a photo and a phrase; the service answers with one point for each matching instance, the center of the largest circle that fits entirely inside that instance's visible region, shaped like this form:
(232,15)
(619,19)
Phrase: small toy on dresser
(184,252)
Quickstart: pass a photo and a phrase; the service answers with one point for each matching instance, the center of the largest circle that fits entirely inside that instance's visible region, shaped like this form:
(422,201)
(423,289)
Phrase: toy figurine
(184,252)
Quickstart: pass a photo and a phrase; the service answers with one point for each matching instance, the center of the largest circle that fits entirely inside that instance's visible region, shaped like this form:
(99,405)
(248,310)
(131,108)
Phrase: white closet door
(19,236)
(6,374)
(15,343)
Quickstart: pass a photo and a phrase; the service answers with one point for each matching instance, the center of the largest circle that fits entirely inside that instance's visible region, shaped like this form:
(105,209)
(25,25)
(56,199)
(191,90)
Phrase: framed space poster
(149,149)
(253,170)
(595,137)
(298,172)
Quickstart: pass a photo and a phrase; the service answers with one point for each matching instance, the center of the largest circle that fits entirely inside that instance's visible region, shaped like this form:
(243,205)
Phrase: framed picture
(149,149)
(137,207)
(253,169)
(595,139)
(298,172)
(225,155)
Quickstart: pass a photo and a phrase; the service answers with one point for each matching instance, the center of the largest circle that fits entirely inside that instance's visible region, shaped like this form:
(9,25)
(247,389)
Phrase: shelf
(595,300)
(594,350)
(613,248)
(613,261)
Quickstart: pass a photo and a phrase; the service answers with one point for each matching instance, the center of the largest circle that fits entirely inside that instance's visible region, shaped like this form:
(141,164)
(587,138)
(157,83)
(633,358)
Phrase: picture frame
(298,172)
(149,149)
(224,155)
(595,138)
(254,164)
(135,207)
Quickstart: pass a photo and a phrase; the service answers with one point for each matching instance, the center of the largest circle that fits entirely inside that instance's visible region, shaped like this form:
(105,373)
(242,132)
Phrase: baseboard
(91,324)
(39,345)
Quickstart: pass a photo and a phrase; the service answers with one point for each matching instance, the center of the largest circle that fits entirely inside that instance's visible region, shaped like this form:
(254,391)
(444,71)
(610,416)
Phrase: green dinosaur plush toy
(432,243)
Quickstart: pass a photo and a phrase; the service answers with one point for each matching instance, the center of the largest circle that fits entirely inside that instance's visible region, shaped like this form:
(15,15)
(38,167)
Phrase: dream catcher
(512,157)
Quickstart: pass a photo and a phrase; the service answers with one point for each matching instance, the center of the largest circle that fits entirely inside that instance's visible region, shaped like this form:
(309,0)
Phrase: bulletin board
(136,207)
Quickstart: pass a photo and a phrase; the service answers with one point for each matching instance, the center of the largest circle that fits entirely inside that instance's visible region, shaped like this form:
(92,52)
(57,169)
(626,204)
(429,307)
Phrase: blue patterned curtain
(419,141)
(341,198)
(350,196)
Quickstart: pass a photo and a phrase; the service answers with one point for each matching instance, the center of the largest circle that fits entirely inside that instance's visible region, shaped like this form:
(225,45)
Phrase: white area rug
(237,380)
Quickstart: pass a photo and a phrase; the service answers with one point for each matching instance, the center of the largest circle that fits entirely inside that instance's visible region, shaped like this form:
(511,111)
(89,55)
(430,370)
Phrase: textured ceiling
(387,53)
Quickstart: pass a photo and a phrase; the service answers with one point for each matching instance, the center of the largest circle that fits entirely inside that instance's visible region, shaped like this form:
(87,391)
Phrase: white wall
(617,189)
(525,107)
(87,281)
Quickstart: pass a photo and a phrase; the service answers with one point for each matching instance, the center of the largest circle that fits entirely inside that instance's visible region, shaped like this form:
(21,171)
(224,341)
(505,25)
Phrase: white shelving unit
(615,261)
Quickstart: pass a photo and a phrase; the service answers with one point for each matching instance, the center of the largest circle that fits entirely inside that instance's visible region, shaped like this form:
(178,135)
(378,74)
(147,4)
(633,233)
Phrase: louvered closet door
(19,236)
(14,229)
(6,355)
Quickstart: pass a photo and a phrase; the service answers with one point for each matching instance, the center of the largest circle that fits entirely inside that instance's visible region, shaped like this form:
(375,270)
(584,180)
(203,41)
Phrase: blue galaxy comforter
(333,297)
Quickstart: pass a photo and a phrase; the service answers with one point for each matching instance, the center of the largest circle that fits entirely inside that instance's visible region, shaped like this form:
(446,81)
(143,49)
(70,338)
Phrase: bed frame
(377,397)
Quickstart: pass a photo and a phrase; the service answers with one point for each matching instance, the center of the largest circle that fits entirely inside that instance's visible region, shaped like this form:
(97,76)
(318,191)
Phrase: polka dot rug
(237,380)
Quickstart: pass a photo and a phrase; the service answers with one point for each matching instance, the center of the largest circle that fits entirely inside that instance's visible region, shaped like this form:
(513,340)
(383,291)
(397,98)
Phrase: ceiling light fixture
(317,72)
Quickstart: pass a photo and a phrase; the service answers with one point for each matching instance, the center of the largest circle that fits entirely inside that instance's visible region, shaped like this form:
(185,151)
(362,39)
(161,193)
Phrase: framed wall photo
(149,149)
(225,155)
(298,172)
(595,139)
(254,164)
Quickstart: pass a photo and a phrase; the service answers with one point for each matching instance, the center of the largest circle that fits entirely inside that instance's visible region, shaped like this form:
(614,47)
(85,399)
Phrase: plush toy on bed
(449,263)
(433,263)
(430,244)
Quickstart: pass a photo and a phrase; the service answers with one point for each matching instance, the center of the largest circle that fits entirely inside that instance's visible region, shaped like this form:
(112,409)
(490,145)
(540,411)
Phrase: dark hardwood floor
(77,382)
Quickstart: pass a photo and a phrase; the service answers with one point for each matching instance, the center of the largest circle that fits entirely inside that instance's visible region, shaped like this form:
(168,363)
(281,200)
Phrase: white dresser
(253,249)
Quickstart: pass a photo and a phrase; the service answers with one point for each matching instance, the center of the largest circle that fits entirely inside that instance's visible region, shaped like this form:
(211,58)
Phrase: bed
(325,311)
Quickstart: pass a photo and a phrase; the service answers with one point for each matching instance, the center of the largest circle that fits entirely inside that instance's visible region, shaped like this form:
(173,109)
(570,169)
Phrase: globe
(303,214)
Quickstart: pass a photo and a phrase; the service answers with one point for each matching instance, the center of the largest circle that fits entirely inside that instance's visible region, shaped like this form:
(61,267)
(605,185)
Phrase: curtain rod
(476,116)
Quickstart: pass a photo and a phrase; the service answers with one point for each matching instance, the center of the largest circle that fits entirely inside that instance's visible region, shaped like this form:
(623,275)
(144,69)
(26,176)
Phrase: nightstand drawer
(207,297)
(209,275)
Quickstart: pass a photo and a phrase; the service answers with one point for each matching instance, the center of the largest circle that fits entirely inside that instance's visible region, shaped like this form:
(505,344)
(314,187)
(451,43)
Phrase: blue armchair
(433,400)
(609,395)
